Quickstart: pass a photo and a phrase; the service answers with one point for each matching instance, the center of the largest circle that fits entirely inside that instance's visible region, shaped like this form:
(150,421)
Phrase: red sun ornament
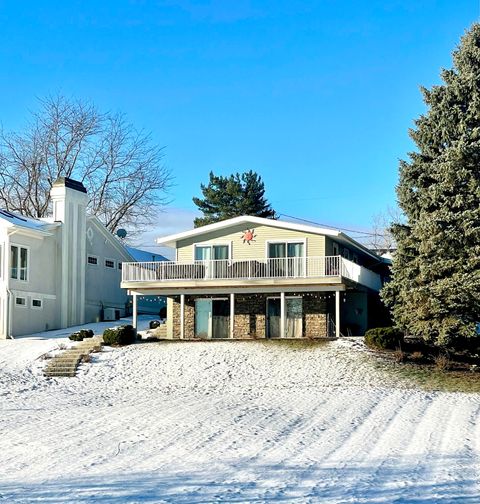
(249,236)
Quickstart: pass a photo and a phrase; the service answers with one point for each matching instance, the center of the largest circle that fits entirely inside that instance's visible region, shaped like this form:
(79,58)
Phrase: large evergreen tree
(435,287)
(227,197)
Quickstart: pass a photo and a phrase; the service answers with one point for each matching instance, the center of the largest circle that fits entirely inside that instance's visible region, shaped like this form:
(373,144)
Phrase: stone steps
(66,363)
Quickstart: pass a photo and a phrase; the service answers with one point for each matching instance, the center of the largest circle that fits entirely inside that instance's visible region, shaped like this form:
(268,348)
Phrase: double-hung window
(19,263)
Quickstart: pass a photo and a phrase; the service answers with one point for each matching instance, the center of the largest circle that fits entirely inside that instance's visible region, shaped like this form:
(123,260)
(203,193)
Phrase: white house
(60,271)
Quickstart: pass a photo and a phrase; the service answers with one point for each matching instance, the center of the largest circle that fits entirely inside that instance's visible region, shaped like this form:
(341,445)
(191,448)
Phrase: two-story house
(60,271)
(249,277)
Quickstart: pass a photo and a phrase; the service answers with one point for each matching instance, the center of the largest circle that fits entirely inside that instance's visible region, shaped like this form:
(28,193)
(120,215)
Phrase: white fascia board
(171,240)
(110,237)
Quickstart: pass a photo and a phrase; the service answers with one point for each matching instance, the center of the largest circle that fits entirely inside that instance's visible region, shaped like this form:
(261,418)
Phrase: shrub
(442,362)
(386,338)
(81,335)
(163,312)
(417,356)
(121,335)
(400,356)
(154,324)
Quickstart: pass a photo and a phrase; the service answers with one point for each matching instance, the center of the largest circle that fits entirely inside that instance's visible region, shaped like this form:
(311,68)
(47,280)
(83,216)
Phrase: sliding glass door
(212,318)
(293,317)
(214,258)
(286,259)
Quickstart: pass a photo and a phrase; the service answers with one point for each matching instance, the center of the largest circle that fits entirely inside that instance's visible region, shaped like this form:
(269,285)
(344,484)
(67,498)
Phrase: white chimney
(70,199)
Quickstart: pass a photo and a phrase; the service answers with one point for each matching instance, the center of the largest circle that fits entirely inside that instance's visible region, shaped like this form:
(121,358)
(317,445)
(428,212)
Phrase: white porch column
(282,315)
(337,314)
(182,316)
(232,313)
(135,311)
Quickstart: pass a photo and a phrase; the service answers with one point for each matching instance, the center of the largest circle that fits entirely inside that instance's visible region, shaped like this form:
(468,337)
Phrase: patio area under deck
(272,291)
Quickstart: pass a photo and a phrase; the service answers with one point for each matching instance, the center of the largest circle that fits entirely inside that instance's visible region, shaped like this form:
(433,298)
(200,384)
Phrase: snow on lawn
(189,422)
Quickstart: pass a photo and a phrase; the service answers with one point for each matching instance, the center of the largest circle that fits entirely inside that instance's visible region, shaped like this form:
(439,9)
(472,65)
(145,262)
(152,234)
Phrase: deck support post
(182,316)
(337,314)
(232,314)
(282,315)
(135,311)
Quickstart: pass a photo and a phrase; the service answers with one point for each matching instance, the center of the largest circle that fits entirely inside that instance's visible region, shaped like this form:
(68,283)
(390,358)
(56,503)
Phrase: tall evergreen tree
(435,287)
(227,197)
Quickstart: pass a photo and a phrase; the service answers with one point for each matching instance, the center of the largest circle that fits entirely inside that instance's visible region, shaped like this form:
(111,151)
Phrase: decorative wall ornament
(90,235)
(249,236)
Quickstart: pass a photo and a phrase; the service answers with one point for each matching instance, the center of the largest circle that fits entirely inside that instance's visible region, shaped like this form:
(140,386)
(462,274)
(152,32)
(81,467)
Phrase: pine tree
(435,287)
(227,197)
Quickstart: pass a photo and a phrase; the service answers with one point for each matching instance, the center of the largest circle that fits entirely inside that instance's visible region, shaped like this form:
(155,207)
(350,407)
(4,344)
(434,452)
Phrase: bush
(121,335)
(386,338)
(154,324)
(163,312)
(442,362)
(81,335)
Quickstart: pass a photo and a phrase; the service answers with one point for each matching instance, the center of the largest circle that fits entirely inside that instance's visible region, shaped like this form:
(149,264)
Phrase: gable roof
(171,240)
(27,223)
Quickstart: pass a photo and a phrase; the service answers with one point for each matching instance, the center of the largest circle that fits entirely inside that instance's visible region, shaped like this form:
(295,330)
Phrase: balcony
(305,270)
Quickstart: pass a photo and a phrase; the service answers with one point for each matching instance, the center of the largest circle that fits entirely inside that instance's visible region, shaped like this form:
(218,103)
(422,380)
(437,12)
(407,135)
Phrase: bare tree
(381,237)
(120,166)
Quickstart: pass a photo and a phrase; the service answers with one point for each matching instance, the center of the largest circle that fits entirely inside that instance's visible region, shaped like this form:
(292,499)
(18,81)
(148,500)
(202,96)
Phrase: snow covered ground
(231,422)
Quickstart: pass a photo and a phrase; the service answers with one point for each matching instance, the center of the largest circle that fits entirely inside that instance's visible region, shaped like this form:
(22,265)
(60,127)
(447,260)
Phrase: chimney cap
(70,183)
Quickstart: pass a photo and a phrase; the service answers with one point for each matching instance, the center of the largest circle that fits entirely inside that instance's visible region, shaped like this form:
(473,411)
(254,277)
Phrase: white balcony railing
(253,269)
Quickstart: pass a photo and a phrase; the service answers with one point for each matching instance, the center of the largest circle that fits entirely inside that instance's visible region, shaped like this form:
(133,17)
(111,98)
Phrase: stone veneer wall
(250,310)
(315,316)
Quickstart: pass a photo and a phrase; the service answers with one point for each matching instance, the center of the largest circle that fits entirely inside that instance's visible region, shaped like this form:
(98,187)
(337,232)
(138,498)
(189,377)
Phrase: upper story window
(286,249)
(209,252)
(92,260)
(286,258)
(19,263)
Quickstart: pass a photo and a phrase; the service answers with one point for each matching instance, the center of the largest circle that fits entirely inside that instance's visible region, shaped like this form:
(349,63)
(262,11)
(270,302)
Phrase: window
(20,301)
(219,254)
(92,260)
(37,304)
(208,252)
(286,258)
(335,249)
(109,263)
(119,265)
(346,253)
(355,258)
(19,263)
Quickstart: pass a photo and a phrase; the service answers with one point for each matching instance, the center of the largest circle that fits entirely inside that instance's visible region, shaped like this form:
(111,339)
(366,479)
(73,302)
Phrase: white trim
(337,314)
(42,295)
(172,240)
(21,305)
(36,307)
(237,290)
(110,237)
(93,257)
(232,314)
(19,246)
(182,316)
(105,259)
(211,245)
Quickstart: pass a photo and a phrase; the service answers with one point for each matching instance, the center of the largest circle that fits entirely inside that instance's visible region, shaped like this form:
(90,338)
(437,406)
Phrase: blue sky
(316,96)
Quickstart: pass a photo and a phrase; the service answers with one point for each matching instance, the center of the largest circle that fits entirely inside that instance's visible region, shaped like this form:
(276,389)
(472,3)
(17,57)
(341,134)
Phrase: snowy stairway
(66,363)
